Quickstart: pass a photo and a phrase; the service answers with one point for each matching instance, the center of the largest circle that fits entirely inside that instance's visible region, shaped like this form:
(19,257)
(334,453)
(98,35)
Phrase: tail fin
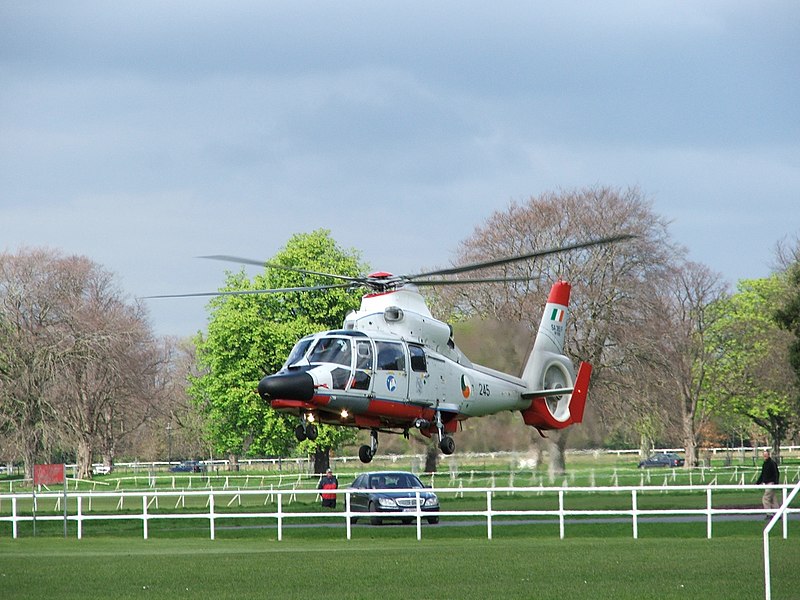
(557,396)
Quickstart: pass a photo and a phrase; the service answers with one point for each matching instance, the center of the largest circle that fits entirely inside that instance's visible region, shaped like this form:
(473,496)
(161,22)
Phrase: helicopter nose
(287,386)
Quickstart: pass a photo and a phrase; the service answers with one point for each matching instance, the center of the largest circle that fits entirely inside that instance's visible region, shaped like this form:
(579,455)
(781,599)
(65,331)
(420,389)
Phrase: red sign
(48,474)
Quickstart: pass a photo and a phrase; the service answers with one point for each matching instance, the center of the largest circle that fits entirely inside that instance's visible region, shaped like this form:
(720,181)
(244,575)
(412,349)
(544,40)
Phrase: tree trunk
(83,460)
(557,465)
(689,440)
(233,462)
(322,460)
(431,457)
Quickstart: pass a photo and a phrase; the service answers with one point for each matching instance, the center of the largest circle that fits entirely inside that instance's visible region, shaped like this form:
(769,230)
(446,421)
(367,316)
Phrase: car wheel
(353,520)
(374,520)
(407,521)
(433,520)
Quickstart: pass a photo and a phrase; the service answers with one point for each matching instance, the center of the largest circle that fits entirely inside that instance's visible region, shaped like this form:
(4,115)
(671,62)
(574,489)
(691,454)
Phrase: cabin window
(390,356)
(418,363)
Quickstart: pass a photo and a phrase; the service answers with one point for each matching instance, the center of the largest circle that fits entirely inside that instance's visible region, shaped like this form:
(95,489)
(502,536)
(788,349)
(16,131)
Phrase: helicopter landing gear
(446,443)
(366,452)
(306,430)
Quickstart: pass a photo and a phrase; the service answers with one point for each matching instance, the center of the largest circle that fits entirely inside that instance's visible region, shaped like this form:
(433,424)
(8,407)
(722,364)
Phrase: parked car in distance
(189,466)
(662,459)
(373,493)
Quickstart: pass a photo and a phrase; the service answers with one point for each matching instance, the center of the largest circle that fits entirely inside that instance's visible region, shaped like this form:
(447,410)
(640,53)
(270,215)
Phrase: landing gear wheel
(365,454)
(311,432)
(447,445)
(373,519)
(300,433)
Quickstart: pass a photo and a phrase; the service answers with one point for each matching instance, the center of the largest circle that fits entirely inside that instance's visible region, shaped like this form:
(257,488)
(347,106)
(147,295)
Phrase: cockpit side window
(363,372)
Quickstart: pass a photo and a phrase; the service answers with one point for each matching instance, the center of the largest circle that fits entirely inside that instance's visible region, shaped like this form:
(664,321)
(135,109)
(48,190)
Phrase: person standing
(328,482)
(769,476)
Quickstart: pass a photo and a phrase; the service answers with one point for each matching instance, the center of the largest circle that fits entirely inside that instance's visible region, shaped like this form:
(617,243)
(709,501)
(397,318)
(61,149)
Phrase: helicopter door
(391,378)
(362,377)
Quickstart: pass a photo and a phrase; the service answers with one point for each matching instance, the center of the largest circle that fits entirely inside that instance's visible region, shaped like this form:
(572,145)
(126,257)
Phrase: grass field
(597,560)
(389,563)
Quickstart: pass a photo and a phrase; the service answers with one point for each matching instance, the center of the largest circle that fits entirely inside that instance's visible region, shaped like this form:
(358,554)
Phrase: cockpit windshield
(331,350)
(299,351)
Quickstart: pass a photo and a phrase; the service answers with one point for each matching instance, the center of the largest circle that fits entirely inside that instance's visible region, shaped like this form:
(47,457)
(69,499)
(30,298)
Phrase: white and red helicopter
(393,367)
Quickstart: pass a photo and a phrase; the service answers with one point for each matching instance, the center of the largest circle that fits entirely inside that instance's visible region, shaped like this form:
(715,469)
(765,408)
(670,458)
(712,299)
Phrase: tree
(249,336)
(74,352)
(787,313)
(109,370)
(688,314)
(614,286)
(752,376)
(30,296)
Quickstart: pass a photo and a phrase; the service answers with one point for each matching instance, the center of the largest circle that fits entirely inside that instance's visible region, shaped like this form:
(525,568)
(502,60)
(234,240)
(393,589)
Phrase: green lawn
(597,560)
(387,562)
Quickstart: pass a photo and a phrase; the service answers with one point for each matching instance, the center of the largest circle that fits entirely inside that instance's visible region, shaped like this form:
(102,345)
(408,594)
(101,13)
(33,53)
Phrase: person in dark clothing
(328,482)
(769,475)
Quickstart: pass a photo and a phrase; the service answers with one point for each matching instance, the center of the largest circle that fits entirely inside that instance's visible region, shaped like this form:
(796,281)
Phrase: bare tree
(109,365)
(688,301)
(32,293)
(75,353)
(614,286)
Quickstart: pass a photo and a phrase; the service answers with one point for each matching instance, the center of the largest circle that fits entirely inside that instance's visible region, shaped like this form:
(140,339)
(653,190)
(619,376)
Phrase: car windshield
(394,481)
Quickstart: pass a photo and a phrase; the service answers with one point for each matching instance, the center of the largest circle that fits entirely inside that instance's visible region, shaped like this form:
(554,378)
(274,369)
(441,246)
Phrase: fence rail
(83,506)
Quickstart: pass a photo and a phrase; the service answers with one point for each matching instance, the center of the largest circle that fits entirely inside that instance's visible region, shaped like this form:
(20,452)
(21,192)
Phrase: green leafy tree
(250,336)
(788,314)
(751,376)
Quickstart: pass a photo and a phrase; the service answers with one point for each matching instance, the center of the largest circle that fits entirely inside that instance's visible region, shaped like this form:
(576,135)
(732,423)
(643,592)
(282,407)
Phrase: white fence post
(211,513)
(144,515)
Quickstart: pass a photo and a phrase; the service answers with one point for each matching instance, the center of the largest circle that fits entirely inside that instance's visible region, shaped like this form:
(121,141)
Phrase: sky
(144,134)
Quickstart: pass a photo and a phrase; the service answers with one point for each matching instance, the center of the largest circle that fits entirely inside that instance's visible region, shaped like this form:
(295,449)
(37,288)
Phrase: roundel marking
(466,386)
(391,383)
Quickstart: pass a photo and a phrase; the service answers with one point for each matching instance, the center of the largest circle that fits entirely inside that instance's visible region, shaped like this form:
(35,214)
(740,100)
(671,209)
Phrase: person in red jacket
(328,482)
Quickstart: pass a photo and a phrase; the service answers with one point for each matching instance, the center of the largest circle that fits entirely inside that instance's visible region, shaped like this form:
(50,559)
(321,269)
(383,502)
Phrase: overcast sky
(144,134)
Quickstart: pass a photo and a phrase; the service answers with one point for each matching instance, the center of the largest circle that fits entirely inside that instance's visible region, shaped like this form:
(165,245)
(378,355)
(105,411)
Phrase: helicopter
(392,367)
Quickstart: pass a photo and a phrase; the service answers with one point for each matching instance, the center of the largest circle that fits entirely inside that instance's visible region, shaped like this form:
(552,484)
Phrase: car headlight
(386,502)
(431,502)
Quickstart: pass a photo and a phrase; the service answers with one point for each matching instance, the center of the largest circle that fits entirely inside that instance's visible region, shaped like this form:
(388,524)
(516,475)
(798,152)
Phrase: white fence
(84,512)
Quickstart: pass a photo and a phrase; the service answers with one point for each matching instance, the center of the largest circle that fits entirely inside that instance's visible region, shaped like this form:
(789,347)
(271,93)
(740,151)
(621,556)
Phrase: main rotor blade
(436,282)
(259,263)
(504,261)
(307,288)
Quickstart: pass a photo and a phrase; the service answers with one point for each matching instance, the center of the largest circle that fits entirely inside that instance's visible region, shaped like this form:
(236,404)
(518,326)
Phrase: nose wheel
(366,452)
(306,431)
